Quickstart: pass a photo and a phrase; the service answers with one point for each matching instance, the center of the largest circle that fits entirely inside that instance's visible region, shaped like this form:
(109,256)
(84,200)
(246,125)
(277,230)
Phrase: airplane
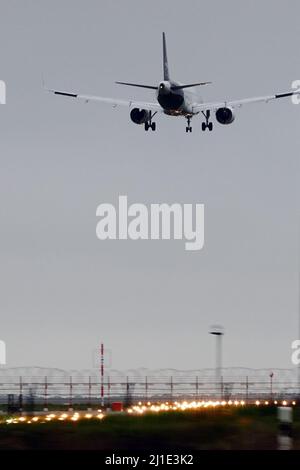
(173,99)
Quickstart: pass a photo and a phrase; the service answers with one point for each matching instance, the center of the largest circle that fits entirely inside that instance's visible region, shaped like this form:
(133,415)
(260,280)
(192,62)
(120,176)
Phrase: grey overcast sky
(151,302)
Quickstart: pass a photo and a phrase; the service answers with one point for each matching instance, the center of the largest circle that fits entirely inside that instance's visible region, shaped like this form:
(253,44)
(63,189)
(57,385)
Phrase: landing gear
(207,125)
(188,127)
(149,124)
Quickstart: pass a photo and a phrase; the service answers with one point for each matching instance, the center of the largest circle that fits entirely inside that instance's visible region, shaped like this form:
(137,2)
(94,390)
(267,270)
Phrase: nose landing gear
(188,127)
(149,124)
(207,124)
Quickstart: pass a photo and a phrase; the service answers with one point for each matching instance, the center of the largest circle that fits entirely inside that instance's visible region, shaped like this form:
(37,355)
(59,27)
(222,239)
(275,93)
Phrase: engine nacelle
(225,115)
(139,116)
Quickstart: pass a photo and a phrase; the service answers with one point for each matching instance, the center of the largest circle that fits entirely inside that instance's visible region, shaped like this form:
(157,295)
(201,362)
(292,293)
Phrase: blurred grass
(224,429)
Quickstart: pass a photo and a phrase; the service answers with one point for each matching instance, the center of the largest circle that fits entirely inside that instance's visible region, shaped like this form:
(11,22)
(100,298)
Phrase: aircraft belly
(171,101)
(174,104)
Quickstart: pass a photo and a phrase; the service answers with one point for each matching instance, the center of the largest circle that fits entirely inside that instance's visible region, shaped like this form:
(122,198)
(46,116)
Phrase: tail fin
(165,59)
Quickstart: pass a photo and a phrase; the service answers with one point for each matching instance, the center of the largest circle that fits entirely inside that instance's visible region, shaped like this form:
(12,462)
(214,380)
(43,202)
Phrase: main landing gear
(188,127)
(207,124)
(149,124)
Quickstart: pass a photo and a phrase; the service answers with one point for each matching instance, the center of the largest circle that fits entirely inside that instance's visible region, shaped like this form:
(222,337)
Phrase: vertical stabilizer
(165,59)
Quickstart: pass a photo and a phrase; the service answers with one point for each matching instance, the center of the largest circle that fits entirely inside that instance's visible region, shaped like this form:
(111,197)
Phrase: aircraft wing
(197,107)
(111,101)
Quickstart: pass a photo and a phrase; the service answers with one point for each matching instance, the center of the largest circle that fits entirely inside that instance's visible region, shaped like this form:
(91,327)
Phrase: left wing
(113,102)
(197,107)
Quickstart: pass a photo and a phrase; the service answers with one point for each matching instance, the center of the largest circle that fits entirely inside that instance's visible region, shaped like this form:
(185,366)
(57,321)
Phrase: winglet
(45,88)
(43,81)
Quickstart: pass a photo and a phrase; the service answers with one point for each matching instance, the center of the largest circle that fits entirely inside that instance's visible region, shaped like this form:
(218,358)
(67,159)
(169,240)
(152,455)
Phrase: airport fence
(69,390)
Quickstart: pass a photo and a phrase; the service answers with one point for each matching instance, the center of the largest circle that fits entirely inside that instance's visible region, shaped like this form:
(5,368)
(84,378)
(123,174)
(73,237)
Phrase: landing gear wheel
(207,124)
(149,124)
(188,127)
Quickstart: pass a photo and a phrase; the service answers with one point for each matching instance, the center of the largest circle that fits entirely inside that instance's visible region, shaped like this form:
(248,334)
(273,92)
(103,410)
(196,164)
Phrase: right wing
(113,102)
(197,107)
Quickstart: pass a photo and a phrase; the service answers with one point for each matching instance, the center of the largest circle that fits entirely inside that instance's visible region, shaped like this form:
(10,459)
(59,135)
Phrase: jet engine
(225,115)
(139,116)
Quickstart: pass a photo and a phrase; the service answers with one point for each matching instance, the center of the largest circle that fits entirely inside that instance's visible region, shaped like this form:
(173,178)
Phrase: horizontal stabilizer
(180,87)
(138,85)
